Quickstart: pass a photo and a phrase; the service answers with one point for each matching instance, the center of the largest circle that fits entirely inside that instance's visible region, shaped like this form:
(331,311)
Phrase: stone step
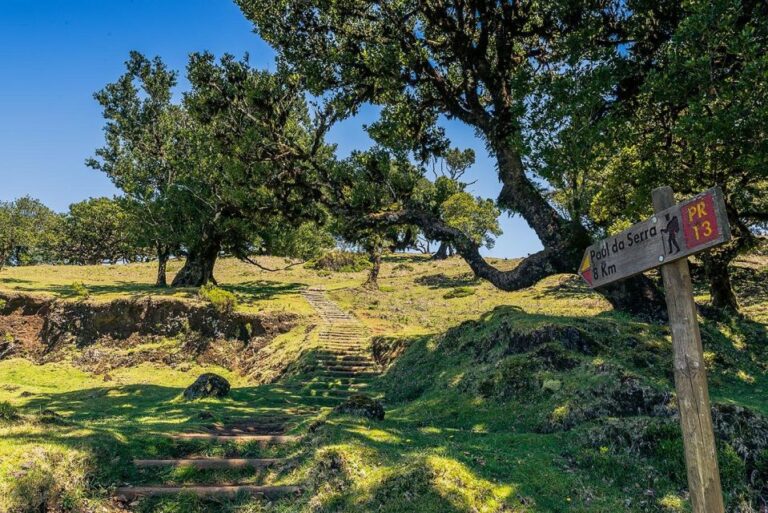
(276,439)
(209,463)
(270,492)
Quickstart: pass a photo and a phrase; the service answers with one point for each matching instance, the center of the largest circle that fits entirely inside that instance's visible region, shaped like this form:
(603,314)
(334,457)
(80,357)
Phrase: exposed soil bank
(34,326)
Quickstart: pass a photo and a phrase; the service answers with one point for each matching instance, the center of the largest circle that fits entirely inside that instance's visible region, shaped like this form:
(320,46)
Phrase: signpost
(673,233)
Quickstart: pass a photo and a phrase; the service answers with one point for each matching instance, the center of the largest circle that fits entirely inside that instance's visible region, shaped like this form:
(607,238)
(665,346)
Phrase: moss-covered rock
(362,406)
(207,385)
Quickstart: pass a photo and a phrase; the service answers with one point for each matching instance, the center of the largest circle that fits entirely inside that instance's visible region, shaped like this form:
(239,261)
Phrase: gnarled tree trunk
(716,263)
(162,264)
(442,252)
(198,269)
(372,282)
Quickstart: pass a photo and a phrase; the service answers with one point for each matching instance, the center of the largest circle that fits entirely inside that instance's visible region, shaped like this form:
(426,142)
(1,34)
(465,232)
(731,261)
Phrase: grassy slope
(444,447)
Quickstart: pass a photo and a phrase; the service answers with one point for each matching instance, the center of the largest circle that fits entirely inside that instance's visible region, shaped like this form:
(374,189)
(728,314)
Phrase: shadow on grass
(400,258)
(264,289)
(253,290)
(443,281)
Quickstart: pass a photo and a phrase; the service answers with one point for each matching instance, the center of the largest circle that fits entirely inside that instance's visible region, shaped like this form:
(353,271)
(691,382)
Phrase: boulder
(362,406)
(207,385)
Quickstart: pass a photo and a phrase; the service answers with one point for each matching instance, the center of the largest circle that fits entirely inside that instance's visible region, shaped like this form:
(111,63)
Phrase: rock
(207,385)
(362,406)
(551,385)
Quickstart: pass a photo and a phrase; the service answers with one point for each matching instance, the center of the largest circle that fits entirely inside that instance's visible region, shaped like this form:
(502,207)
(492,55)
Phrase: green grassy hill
(542,400)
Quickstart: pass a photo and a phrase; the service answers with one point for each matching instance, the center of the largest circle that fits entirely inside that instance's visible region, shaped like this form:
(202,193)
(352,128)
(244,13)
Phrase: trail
(342,367)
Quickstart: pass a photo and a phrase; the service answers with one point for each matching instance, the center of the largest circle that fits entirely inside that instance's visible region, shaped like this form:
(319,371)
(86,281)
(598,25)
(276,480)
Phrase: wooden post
(690,380)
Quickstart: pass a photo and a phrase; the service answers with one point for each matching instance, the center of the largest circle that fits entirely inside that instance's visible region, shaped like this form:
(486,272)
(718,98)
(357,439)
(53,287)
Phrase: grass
(469,424)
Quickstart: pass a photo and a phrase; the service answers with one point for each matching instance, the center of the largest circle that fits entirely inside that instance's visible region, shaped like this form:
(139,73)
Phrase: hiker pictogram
(672,229)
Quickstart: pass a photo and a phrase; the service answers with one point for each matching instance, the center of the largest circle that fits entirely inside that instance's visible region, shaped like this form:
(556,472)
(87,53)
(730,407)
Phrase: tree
(698,119)
(481,63)
(371,181)
(369,192)
(28,232)
(100,230)
(252,152)
(307,241)
(475,217)
(453,165)
(140,131)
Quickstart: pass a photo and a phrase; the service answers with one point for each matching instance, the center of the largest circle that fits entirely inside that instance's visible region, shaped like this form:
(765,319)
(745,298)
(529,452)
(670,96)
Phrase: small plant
(80,290)
(223,301)
(8,412)
(560,413)
(459,292)
(3,303)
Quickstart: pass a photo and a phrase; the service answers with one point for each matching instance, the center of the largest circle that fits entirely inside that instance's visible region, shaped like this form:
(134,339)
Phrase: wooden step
(208,463)
(249,427)
(339,358)
(333,386)
(347,368)
(270,492)
(277,439)
(344,373)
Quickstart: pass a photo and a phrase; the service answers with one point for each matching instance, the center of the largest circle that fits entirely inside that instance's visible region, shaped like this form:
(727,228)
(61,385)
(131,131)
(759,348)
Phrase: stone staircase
(343,367)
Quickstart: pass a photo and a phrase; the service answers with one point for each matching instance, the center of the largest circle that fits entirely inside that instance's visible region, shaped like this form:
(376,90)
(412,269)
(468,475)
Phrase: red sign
(700,221)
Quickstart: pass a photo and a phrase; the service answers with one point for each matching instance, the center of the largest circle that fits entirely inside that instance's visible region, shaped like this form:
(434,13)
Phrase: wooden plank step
(277,439)
(334,386)
(270,492)
(208,463)
(353,360)
(344,373)
(346,363)
(344,358)
(323,392)
(347,368)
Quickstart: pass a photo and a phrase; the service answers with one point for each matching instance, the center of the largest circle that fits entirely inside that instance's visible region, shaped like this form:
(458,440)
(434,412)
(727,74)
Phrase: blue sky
(54,55)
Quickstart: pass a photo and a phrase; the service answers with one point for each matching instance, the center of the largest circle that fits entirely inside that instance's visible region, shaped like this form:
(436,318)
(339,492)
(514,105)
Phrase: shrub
(80,290)
(223,301)
(8,412)
(405,268)
(459,292)
(45,480)
(340,262)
